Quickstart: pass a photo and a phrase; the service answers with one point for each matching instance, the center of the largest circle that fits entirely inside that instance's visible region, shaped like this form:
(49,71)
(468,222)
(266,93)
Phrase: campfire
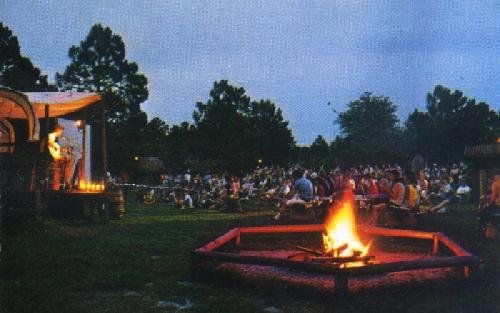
(340,239)
(341,244)
(338,252)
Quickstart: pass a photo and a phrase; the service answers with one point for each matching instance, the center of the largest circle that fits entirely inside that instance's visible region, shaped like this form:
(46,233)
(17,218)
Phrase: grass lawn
(143,265)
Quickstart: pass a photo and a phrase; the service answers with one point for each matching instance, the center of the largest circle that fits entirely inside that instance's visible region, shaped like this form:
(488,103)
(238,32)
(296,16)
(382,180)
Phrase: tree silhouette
(234,132)
(98,64)
(370,131)
(270,133)
(17,71)
(451,122)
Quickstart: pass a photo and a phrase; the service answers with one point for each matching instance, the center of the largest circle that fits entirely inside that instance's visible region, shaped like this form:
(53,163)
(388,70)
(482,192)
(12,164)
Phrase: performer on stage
(63,156)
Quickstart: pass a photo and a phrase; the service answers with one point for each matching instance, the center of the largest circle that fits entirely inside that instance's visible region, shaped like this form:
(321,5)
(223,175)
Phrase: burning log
(340,238)
(340,249)
(342,259)
(312,251)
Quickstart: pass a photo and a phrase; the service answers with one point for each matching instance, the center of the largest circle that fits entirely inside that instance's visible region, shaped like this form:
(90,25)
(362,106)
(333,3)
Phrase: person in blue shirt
(301,193)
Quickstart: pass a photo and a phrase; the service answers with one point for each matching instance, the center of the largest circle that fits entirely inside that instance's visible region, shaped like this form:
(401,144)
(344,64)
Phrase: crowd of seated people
(432,189)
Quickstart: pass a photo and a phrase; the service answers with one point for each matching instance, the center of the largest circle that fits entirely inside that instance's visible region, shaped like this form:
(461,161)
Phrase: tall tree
(155,134)
(272,138)
(183,149)
(320,152)
(370,129)
(451,122)
(234,132)
(221,124)
(16,70)
(98,64)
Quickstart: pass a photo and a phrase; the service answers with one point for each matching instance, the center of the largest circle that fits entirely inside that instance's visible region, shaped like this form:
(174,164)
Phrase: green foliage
(17,71)
(319,148)
(451,122)
(98,64)
(370,132)
(270,132)
(156,132)
(233,132)
(316,155)
(223,128)
(181,149)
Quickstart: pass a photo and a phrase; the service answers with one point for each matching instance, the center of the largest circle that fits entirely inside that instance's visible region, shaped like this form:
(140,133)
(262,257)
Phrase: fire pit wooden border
(462,257)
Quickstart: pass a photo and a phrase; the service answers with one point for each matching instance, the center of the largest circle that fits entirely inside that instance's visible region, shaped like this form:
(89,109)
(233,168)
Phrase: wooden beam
(104,155)
(371,230)
(453,246)
(435,245)
(370,269)
(47,154)
(233,233)
(342,259)
(83,174)
(282,229)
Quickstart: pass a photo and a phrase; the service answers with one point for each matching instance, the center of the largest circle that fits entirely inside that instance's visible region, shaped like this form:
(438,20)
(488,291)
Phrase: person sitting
(188,200)
(284,189)
(221,199)
(396,200)
(412,199)
(423,187)
(463,190)
(301,193)
(319,187)
(455,172)
(233,200)
(447,196)
(370,187)
(235,187)
(384,186)
(325,183)
(271,193)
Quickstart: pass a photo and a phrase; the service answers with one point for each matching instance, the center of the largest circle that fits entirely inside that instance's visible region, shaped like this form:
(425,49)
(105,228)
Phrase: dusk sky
(299,54)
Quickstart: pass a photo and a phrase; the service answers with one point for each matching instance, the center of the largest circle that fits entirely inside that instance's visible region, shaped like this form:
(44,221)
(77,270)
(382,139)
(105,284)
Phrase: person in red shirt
(372,187)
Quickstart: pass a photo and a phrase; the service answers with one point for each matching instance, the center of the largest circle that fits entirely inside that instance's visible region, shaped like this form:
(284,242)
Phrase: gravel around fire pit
(325,282)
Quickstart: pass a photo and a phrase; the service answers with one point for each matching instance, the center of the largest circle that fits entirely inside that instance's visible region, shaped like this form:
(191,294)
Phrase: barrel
(54,177)
(116,205)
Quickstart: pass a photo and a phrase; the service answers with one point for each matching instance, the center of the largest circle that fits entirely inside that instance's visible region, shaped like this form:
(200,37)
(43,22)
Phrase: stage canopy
(61,103)
(31,105)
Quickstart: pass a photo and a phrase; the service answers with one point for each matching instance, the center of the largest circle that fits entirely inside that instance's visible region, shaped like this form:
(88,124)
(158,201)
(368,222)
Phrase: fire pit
(342,258)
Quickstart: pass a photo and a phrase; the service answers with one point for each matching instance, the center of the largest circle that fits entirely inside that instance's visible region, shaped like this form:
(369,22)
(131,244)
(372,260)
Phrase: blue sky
(299,54)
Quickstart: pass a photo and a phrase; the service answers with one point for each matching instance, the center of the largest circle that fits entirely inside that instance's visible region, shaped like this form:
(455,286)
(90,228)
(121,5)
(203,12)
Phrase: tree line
(232,132)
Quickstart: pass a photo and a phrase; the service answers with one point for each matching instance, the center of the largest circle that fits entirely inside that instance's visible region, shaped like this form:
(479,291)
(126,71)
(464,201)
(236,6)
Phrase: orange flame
(340,226)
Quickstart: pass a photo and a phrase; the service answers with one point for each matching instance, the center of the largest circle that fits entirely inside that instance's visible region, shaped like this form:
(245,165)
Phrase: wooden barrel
(116,205)
(54,177)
